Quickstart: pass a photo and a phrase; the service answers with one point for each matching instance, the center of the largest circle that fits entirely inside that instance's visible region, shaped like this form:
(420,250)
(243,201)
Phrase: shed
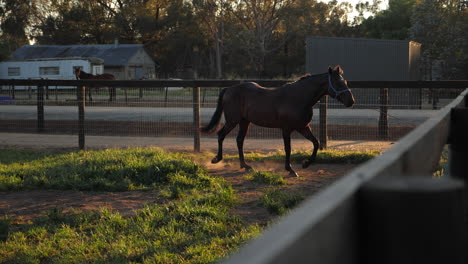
(49,68)
(124,61)
(369,60)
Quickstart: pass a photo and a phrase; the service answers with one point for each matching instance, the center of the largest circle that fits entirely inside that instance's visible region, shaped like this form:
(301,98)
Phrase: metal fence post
(40,108)
(196,119)
(81,97)
(323,131)
(383,117)
(412,220)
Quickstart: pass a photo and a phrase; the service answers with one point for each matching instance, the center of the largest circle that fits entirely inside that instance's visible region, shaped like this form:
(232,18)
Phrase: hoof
(216,159)
(305,163)
(246,167)
(293,174)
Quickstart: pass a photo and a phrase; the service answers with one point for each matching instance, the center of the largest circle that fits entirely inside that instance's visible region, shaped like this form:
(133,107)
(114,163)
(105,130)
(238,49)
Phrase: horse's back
(252,102)
(108,76)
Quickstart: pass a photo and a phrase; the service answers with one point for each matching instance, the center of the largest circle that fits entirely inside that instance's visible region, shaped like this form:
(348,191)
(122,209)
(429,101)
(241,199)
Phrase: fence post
(323,131)
(412,220)
(40,108)
(13,96)
(81,98)
(196,119)
(29,91)
(383,118)
(458,148)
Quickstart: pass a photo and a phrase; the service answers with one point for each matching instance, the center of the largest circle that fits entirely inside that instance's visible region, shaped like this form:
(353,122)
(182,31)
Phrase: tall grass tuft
(279,201)
(104,170)
(266,177)
(325,156)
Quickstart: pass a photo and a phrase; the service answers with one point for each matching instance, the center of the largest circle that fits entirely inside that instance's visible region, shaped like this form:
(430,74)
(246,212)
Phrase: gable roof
(113,55)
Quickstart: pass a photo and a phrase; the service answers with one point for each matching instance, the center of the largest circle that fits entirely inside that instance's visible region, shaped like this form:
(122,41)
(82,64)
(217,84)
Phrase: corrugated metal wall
(369,60)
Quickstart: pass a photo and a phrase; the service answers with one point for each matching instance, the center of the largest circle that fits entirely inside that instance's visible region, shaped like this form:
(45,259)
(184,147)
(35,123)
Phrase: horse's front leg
(287,150)
(243,128)
(89,95)
(221,135)
(307,133)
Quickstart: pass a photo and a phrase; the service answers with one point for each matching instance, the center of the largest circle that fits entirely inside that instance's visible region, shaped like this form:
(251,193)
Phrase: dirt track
(26,205)
(45,141)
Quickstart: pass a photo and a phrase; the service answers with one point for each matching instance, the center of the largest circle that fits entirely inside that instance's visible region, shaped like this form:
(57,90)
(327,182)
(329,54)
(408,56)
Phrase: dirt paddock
(23,206)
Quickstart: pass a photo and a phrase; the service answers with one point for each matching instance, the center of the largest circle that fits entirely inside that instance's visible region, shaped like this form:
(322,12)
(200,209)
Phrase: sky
(383,5)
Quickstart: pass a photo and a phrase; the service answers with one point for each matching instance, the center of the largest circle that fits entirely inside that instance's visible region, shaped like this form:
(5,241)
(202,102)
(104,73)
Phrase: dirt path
(26,205)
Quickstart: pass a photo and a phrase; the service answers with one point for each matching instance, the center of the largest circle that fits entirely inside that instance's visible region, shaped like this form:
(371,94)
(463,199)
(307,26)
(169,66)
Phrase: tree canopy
(234,38)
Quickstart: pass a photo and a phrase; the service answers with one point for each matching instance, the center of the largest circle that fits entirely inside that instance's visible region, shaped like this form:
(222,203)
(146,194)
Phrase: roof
(113,55)
(90,59)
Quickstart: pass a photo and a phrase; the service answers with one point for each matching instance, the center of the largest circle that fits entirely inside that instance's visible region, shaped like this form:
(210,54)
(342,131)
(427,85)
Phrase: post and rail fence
(42,88)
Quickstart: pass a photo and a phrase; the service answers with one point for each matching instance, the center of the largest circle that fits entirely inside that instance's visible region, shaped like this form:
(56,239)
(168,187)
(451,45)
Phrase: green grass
(105,170)
(441,169)
(279,201)
(190,225)
(325,156)
(265,177)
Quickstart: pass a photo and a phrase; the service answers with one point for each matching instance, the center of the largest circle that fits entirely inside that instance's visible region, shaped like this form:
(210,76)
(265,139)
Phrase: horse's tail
(216,118)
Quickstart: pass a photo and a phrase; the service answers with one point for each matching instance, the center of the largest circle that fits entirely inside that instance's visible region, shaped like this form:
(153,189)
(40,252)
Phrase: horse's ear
(338,69)
(330,70)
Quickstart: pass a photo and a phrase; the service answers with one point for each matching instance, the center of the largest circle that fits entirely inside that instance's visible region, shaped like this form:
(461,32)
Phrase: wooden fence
(196,84)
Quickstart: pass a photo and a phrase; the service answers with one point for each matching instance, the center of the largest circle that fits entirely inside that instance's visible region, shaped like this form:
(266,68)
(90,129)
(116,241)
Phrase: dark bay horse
(82,75)
(288,107)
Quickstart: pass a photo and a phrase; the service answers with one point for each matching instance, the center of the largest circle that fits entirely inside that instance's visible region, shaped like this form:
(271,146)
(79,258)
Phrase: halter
(337,93)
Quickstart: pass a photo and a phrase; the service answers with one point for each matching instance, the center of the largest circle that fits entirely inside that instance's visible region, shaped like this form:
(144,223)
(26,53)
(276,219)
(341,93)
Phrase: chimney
(116,43)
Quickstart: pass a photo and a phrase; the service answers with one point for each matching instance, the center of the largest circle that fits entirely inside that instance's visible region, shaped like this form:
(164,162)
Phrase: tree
(212,13)
(391,23)
(440,26)
(15,18)
(260,20)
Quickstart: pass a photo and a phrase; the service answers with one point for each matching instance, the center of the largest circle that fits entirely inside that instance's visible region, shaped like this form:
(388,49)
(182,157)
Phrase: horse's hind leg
(221,135)
(287,150)
(307,133)
(243,128)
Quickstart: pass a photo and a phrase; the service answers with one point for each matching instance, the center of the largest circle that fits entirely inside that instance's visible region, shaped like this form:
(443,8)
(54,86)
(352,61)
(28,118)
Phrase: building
(49,68)
(125,62)
(369,60)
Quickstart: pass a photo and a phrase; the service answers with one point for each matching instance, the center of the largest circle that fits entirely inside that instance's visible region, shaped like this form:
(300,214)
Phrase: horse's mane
(306,76)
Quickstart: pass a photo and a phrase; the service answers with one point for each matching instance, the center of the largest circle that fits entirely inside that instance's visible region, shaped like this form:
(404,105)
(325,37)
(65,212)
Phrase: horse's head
(338,87)
(77,73)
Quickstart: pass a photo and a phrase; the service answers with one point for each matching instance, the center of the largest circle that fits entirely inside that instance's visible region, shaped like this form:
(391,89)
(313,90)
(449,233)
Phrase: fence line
(325,129)
(337,226)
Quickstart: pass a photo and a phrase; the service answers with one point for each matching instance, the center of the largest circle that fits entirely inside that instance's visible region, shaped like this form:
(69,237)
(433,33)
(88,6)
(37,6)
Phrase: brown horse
(82,75)
(288,107)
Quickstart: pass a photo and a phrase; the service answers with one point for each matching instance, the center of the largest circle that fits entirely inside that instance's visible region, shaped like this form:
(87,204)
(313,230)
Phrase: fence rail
(225,83)
(383,101)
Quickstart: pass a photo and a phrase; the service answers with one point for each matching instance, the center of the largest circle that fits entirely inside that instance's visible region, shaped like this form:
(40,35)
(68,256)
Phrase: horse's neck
(311,88)
(86,75)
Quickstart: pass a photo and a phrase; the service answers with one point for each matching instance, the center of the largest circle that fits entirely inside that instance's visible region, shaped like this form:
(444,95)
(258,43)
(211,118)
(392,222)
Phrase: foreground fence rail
(380,125)
(388,210)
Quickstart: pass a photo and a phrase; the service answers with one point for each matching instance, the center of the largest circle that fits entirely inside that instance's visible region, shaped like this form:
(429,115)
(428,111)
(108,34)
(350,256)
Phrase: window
(14,71)
(49,71)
